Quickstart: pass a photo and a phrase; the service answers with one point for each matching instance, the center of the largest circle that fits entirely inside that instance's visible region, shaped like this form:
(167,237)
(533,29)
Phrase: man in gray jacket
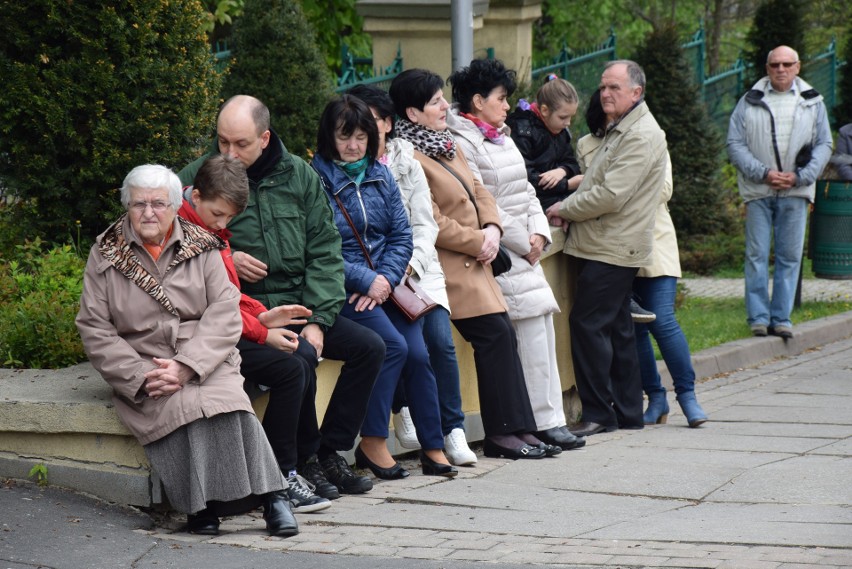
(610,222)
(779,140)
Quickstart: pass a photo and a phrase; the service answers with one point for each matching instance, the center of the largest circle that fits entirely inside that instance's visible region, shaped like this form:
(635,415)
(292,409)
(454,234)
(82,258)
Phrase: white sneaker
(458,453)
(404,429)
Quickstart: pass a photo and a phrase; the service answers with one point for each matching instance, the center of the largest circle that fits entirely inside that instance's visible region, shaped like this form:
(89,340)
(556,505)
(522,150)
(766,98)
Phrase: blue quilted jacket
(378,213)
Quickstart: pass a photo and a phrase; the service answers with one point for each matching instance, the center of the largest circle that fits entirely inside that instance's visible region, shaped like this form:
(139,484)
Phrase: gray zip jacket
(753,150)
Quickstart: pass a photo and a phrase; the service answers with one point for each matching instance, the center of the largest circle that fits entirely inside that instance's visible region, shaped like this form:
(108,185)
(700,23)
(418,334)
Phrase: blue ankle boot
(658,409)
(695,415)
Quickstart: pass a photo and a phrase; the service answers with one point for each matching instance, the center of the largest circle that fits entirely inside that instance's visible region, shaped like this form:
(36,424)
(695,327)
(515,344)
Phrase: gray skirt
(222,462)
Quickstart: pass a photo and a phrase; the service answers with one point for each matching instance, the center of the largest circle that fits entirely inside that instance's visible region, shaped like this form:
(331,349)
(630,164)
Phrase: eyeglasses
(786,64)
(158,206)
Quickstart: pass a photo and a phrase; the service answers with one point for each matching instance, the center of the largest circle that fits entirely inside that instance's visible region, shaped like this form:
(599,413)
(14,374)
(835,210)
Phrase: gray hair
(768,55)
(152,177)
(634,72)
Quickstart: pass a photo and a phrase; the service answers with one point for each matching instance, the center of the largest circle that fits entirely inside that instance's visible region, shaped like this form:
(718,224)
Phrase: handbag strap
(457,177)
(355,231)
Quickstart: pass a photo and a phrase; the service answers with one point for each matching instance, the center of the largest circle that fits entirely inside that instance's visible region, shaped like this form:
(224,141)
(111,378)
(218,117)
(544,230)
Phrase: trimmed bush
(92,89)
(276,59)
(776,22)
(843,109)
(39,299)
(700,205)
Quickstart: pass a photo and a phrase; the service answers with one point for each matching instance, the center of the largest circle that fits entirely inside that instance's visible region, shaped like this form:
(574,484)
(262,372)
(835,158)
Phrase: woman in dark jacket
(362,188)
(540,131)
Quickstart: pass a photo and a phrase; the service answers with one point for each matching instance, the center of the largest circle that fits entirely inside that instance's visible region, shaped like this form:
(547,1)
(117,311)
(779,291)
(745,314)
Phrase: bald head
(243,128)
(782,66)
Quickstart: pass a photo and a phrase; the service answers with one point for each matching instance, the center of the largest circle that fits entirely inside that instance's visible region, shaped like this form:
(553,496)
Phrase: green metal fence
(360,71)
(821,72)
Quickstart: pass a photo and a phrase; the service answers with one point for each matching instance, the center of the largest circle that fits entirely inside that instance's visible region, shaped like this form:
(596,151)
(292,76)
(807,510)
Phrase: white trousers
(537,350)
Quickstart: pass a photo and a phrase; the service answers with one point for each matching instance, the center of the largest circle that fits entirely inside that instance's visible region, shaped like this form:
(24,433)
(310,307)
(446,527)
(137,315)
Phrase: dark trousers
(287,377)
(504,403)
(362,352)
(603,346)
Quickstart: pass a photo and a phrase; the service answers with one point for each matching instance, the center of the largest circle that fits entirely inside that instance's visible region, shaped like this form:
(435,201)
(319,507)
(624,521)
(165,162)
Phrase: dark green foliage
(276,59)
(843,109)
(92,89)
(39,298)
(699,204)
(776,22)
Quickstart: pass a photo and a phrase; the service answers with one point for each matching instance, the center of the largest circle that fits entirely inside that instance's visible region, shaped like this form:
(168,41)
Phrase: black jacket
(543,151)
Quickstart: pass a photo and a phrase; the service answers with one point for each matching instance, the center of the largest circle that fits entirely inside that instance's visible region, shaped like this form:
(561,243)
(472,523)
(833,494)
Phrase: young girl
(540,131)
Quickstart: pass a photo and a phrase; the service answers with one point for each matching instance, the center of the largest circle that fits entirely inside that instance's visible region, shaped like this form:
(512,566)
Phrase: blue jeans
(406,357)
(658,295)
(785,219)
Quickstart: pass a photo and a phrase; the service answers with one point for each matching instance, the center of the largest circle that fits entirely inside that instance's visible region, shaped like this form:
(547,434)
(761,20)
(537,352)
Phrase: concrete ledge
(750,352)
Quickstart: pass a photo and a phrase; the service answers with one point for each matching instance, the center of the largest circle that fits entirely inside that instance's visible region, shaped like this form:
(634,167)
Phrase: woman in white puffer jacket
(480,93)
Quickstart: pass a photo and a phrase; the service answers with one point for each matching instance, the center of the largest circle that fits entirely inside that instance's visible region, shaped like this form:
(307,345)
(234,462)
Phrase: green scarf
(355,170)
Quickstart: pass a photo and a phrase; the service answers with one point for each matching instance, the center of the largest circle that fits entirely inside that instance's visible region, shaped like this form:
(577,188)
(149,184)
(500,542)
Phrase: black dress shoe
(589,428)
(280,520)
(202,523)
(494,450)
(432,468)
(557,437)
(550,450)
(395,472)
(580,441)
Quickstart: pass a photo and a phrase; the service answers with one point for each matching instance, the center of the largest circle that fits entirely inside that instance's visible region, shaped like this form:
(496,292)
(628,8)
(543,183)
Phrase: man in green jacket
(287,251)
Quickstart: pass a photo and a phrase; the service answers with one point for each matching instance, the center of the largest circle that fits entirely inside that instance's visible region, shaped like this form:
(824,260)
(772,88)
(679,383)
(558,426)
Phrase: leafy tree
(776,22)
(336,23)
(90,91)
(276,59)
(699,205)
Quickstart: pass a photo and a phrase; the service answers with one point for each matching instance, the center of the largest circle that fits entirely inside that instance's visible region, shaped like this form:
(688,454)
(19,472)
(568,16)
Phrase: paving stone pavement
(820,290)
(765,484)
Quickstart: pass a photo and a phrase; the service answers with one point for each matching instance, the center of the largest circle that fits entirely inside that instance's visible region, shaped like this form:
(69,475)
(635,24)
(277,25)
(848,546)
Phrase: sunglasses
(786,64)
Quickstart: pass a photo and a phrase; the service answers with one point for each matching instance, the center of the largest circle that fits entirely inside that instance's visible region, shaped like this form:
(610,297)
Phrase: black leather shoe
(580,441)
(494,450)
(588,428)
(557,437)
(432,468)
(280,520)
(395,472)
(202,523)
(550,450)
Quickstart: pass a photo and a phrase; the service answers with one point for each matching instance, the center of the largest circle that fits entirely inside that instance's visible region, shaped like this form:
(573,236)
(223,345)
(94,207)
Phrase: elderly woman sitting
(159,320)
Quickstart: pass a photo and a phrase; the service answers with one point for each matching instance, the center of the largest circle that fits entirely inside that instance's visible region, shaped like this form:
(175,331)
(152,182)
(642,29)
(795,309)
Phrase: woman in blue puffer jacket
(358,185)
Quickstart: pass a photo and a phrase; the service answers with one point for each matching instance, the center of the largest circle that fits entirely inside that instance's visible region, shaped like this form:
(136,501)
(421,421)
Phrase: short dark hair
(348,114)
(480,78)
(414,88)
(376,99)
(595,115)
(223,177)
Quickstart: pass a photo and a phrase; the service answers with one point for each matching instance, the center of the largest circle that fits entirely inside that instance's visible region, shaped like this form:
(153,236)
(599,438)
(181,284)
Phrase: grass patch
(708,322)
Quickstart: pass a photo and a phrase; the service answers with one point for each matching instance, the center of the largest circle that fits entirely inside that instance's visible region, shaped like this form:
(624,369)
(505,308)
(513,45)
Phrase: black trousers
(362,352)
(503,399)
(287,377)
(603,346)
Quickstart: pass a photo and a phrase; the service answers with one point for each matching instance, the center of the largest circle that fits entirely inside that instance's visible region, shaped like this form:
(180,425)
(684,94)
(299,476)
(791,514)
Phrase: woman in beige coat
(480,93)
(469,233)
(159,320)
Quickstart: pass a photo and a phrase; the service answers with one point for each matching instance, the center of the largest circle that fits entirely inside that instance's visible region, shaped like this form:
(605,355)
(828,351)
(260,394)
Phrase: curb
(751,352)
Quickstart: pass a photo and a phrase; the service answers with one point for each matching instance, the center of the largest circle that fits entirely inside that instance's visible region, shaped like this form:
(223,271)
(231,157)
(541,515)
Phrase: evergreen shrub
(92,89)
(276,59)
(776,22)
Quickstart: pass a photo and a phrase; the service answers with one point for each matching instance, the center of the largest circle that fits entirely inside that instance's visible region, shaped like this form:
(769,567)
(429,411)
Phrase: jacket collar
(755,95)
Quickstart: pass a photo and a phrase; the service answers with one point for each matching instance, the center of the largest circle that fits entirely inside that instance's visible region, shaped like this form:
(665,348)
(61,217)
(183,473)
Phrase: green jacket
(288,225)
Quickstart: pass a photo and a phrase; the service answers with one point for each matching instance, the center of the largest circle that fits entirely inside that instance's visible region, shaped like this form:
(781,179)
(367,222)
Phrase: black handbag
(411,300)
(502,262)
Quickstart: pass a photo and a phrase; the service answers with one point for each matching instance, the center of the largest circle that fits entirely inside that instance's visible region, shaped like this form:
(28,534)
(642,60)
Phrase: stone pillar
(421,28)
(508,29)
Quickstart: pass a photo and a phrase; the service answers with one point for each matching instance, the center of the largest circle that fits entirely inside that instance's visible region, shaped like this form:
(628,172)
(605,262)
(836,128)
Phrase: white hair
(795,53)
(151,177)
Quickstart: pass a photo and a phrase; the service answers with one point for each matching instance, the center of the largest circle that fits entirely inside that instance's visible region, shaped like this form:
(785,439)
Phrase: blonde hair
(556,92)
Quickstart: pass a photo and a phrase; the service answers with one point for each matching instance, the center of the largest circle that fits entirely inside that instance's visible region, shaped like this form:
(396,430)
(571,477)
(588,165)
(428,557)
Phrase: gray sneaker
(302,497)
(639,314)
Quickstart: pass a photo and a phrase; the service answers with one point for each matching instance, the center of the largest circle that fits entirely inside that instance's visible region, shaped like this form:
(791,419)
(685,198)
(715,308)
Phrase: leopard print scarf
(430,142)
(117,251)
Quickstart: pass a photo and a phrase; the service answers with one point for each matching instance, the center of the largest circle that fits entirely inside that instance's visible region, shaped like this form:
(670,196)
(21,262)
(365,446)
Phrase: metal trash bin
(831,230)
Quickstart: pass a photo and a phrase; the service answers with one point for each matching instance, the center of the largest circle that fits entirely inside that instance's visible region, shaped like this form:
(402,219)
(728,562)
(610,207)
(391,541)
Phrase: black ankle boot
(280,520)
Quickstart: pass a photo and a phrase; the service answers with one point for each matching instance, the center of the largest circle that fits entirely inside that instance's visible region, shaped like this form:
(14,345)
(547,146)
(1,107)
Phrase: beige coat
(471,286)
(123,327)
(665,261)
(612,212)
(502,171)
